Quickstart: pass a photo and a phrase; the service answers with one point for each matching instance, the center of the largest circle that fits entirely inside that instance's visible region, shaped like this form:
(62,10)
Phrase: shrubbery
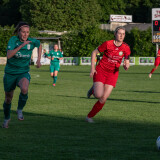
(141,43)
(82,43)
(5,34)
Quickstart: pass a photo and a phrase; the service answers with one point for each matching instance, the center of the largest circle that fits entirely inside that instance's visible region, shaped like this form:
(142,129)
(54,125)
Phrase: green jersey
(19,63)
(56,55)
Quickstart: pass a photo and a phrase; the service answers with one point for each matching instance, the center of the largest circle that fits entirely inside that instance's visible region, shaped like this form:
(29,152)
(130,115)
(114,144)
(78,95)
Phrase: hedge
(82,43)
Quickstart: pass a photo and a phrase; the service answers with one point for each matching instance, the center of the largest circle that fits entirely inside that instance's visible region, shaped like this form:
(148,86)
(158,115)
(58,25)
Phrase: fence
(87,61)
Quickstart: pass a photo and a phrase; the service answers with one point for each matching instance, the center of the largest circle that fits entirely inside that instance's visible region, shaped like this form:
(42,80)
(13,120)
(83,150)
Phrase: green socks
(21,103)
(54,79)
(22,100)
(7,109)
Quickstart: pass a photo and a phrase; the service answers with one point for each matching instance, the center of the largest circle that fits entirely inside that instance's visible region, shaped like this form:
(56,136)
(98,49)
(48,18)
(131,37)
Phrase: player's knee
(98,95)
(24,90)
(51,75)
(8,99)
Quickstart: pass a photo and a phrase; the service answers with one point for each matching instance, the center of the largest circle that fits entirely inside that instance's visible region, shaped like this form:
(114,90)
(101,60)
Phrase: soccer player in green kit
(19,51)
(55,55)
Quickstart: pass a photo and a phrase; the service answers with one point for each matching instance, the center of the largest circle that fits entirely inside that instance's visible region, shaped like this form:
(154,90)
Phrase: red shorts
(157,61)
(105,77)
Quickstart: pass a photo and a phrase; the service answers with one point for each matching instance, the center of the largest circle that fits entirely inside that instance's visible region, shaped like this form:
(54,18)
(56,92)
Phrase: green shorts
(10,81)
(54,67)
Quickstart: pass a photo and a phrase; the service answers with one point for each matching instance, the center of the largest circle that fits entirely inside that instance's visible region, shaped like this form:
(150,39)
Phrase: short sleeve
(102,47)
(36,43)
(11,44)
(61,55)
(127,51)
(159,51)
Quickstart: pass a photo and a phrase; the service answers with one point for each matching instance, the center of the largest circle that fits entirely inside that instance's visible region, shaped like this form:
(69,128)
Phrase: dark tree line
(72,14)
(81,18)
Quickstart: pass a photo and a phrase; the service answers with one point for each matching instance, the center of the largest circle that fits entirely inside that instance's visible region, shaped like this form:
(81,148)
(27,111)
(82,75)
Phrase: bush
(141,43)
(82,43)
(5,34)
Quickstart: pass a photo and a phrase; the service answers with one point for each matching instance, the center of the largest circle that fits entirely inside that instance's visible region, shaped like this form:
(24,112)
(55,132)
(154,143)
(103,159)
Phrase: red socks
(96,108)
(153,70)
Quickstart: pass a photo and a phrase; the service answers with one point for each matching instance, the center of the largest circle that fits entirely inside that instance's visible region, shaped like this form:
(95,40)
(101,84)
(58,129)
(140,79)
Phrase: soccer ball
(158,143)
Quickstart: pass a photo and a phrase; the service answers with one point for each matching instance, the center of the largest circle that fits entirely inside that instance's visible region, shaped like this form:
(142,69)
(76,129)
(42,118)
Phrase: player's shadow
(144,91)
(139,91)
(127,100)
(75,96)
(111,99)
(70,137)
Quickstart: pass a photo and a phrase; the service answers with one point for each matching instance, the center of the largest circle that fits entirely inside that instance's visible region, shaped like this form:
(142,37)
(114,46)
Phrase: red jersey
(113,55)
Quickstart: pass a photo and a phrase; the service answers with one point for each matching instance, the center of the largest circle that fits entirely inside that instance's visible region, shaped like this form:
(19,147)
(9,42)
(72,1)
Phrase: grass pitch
(55,129)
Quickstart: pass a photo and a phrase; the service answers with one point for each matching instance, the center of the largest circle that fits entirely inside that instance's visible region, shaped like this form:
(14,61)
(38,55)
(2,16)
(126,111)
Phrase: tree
(141,43)
(82,43)
(9,12)
(5,34)
(141,9)
(61,15)
(111,7)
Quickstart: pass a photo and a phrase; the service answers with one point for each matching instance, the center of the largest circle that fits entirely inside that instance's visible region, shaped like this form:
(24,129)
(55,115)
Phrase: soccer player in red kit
(106,73)
(157,62)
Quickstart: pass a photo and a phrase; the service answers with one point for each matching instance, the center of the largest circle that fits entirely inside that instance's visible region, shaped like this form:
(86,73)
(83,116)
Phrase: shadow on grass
(144,91)
(42,136)
(138,91)
(111,99)
(127,100)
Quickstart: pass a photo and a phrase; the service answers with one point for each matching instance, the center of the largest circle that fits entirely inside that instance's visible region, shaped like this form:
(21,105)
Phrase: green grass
(55,129)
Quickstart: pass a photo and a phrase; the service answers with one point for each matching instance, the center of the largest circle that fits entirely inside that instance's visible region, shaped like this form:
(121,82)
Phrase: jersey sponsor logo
(28,46)
(19,55)
(120,53)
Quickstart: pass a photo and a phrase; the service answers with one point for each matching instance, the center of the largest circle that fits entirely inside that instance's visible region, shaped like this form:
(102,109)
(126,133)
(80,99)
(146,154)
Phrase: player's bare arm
(11,53)
(126,64)
(93,56)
